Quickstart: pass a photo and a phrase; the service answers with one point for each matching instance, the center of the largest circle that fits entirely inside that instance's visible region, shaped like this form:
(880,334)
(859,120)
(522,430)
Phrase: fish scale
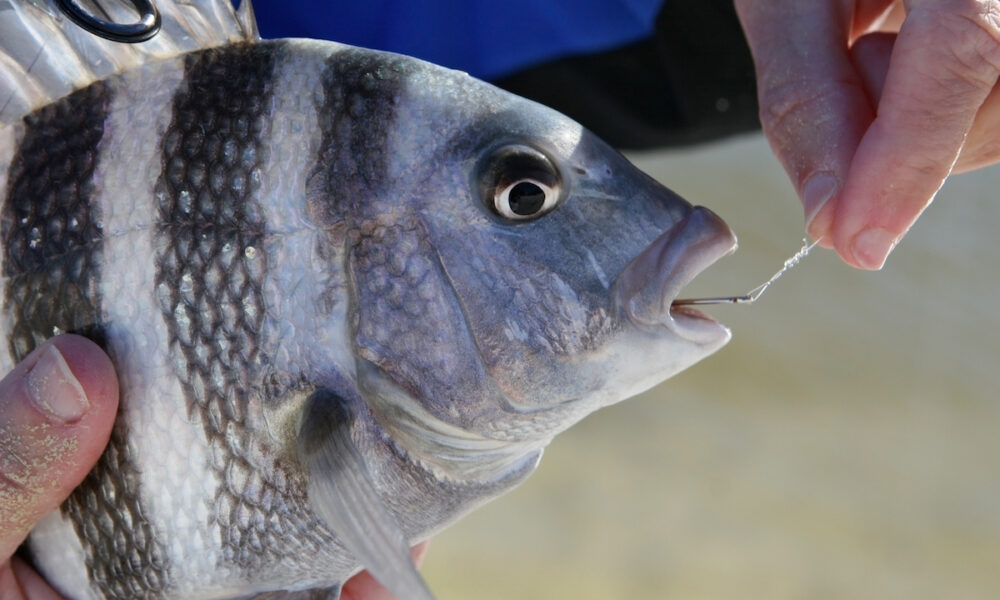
(217,123)
(62,263)
(266,233)
(212,232)
(360,95)
(48,217)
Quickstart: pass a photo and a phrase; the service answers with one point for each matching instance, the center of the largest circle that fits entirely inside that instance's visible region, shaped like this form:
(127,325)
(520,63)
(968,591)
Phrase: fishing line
(752,296)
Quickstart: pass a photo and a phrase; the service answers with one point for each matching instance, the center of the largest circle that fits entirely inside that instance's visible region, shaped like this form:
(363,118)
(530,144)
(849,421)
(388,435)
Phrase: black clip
(130,33)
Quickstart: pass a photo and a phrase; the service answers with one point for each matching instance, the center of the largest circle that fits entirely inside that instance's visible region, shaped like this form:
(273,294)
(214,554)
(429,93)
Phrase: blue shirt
(487,38)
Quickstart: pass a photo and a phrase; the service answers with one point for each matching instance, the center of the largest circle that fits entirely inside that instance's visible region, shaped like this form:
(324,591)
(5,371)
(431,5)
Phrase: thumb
(56,412)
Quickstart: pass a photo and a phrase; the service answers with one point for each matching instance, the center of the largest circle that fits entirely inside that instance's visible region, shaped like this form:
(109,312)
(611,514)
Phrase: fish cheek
(535,321)
(550,366)
(409,323)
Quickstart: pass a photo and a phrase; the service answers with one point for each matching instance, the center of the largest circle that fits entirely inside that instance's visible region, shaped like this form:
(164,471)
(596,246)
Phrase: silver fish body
(289,242)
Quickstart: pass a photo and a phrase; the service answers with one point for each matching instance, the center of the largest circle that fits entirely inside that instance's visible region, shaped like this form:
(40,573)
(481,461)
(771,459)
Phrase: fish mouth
(646,288)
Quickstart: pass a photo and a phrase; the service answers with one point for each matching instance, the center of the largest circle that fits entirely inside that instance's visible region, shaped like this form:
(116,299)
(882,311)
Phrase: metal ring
(130,33)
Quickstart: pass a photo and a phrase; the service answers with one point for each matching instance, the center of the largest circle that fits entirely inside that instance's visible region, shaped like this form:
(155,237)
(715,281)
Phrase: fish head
(517,273)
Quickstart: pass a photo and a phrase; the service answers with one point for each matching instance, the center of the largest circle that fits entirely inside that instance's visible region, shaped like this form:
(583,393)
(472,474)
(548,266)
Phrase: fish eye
(520,183)
(524,199)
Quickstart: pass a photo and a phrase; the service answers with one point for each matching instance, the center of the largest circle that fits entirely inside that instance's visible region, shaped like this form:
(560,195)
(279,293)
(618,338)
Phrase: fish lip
(645,289)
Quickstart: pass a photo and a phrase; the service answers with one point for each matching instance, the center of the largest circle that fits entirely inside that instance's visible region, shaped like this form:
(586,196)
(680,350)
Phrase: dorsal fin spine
(45,56)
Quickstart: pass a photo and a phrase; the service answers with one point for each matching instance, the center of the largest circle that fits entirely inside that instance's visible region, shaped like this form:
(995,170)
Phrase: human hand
(56,412)
(867,139)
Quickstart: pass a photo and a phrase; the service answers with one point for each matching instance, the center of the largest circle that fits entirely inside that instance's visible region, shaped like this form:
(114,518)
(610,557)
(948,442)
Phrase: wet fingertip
(822,241)
(92,368)
(817,191)
(870,248)
(53,388)
(57,409)
(819,231)
(820,223)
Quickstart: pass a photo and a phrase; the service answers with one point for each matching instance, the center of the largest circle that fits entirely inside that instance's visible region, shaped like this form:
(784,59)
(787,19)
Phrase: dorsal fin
(45,56)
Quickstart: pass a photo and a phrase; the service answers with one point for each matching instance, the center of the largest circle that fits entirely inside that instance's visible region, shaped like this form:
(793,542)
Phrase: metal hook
(130,33)
(747,299)
(752,296)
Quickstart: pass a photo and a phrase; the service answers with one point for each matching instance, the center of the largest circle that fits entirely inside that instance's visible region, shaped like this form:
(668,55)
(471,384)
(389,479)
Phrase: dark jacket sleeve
(691,81)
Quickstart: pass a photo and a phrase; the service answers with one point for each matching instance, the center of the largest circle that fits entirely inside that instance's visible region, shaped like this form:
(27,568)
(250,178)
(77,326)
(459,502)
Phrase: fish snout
(646,288)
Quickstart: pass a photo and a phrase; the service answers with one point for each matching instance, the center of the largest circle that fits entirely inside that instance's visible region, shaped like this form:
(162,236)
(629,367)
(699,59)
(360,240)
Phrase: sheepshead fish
(351,296)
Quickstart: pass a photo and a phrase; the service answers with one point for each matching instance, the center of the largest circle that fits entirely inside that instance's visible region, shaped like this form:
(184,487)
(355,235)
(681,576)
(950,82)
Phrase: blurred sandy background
(844,445)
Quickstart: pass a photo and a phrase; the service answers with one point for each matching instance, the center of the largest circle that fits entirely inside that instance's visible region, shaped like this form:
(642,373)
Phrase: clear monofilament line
(752,296)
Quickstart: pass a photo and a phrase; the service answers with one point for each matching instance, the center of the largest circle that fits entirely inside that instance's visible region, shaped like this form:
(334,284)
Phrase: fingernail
(54,389)
(872,246)
(816,192)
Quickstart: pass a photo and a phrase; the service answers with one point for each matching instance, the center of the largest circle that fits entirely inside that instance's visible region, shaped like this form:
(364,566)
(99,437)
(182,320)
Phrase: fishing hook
(746,299)
(130,33)
(752,296)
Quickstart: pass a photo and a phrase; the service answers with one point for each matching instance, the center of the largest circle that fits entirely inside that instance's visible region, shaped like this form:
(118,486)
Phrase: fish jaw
(644,291)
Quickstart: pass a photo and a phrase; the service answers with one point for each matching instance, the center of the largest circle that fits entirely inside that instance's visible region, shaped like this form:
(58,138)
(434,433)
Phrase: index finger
(944,64)
(814,107)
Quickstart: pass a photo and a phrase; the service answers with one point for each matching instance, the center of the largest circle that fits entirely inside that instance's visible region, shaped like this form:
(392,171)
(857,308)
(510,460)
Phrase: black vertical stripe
(51,232)
(361,92)
(53,241)
(211,266)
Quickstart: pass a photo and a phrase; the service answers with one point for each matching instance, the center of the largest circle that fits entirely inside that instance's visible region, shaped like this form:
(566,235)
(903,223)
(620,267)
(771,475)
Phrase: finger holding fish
(56,410)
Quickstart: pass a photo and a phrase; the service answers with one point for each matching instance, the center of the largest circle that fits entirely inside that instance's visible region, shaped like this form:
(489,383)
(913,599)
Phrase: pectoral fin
(343,495)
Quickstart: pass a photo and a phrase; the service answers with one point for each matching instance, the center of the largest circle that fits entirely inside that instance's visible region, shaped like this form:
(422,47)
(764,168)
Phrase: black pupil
(526,198)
